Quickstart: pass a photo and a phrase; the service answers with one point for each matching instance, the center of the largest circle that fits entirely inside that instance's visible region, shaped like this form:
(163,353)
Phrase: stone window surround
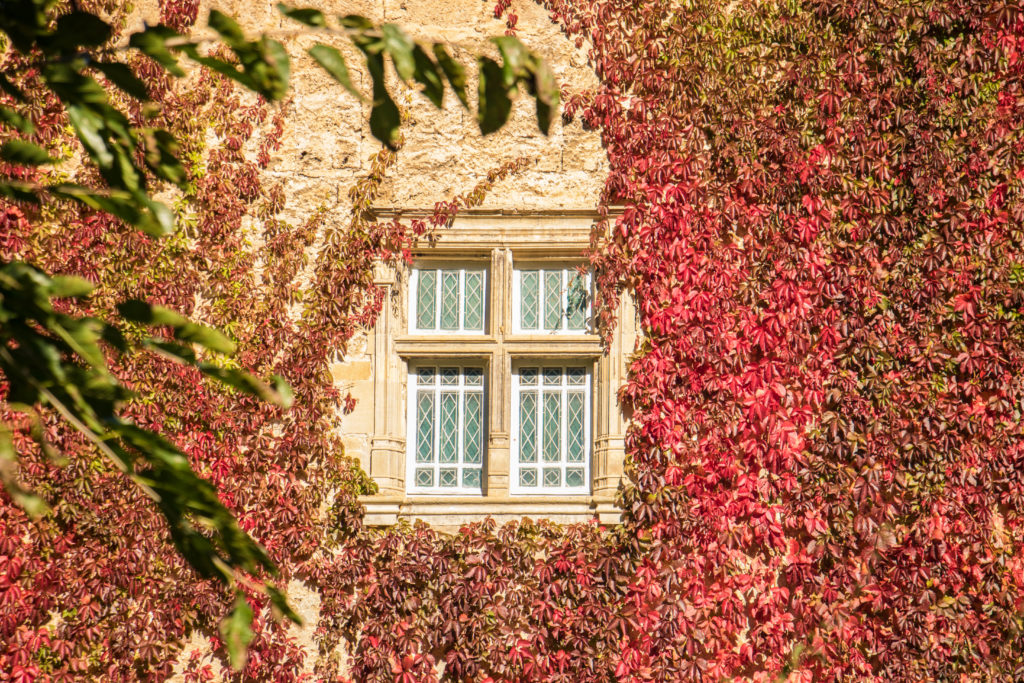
(497,237)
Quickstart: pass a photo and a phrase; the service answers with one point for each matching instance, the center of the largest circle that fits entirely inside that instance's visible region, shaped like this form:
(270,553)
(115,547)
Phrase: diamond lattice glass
(450,300)
(528,426)
(473,316)
(576,304)
(552,299)
(551,448)
(425,477)
(471,478)
(449,477)
(449,423)
(574,420)
(552,477)
(528,476)
(426,298)
(425,426)
(574,477)
(529,299)
(472,449)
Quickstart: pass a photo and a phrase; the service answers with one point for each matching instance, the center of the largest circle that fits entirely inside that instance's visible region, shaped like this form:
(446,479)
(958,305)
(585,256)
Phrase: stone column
(610,423)
(387,449)
(499,376)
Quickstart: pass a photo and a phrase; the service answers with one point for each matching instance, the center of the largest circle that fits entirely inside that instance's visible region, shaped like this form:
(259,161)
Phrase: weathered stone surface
(326,148)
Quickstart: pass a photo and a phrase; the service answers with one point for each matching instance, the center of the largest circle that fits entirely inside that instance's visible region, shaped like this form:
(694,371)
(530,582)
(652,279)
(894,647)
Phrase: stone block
(351,371)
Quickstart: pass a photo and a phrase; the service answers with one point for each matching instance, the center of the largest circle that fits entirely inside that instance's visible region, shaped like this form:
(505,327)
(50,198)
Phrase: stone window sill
(448,513)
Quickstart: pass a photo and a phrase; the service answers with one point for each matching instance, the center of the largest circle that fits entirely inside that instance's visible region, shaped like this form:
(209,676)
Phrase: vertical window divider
(438,278)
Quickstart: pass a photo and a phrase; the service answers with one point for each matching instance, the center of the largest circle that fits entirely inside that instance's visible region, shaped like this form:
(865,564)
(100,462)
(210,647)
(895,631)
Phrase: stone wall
(327,147)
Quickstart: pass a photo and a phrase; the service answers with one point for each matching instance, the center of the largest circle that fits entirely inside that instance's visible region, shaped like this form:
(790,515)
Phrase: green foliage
(54,360)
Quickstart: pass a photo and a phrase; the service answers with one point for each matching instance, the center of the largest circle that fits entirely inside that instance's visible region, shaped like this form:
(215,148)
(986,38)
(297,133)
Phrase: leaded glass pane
(552,477)
(528,426)
(449,477)
(574,477)
(424,477)
(471,478)
(528,476)
(574,418)
(577,377)
(425,375)
(529,299)
(553,376)
(426,300)
(551,448)
(473,316)
(577,301)
(450,300)
(474,377)
(528,376)
(473,429)
(449,427)
(450,376)
(552,299)
(425,426)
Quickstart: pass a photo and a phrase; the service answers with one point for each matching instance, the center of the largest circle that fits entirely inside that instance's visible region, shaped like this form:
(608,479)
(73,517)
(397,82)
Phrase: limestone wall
(327,141)
(327,146)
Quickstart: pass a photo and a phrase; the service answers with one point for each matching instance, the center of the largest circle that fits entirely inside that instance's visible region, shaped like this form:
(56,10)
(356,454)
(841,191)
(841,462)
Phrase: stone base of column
(387,465)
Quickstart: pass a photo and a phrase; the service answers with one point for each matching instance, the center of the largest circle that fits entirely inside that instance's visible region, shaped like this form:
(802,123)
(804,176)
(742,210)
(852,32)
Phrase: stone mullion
(609,423)
(500,371)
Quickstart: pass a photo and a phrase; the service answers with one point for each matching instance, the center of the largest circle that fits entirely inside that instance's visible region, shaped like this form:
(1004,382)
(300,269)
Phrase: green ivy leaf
(77,29)
(334,64)
(246,383)
(25,153)
(137,209)
(153,43)
(356,22)
(70,286)
(161,150)
(517,61)
(280,69)
(545,90)
(34,506)
(313,18)
(429,76)
(19,192)
(384,117)
(124,78)
(279,603)
(229,30)
(398,45)
(138,311)
(494,103)
(236,629)
(15,120)
(453,71)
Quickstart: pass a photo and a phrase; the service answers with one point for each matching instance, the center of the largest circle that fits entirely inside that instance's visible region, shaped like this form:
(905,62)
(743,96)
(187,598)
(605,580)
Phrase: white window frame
(567,270)
(588,438)
(412,390)
(462,267)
